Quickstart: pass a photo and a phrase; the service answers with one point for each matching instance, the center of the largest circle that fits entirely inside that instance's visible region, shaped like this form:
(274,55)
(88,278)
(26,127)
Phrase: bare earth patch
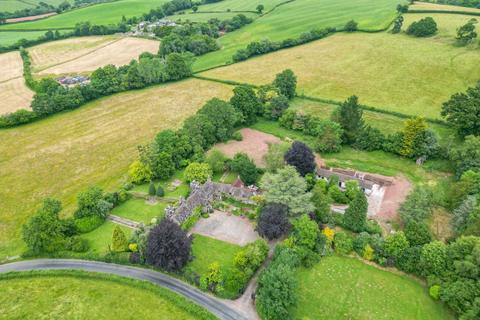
(254,144)
(226,227)
(12,66)
(394,196)
(14,95)
(117,53)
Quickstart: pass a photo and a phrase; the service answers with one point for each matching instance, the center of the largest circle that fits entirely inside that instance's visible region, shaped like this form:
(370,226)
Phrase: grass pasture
(205,16)
(14,5)
(345,288)
(12,66)
(11,37)
(117,52)
(93,145)
(63,294)
(294,18)
(103,13)
(418,5)
(140,210)
(14,95)
(393,72)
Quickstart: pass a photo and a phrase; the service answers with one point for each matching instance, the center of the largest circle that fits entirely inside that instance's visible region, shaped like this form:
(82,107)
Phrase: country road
(212,304)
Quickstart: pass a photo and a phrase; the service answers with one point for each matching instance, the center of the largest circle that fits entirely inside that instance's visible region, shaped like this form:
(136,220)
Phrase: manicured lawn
(393,72)
(294,18)
(207,250)
(101,238)
(180,191)
(140,210)
(81,295)
(345,288)
(93,145)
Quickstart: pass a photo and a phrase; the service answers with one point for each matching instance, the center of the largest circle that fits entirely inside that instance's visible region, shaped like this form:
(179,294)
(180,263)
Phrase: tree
(160,191)
(195,8)
(44,231)
(434,258)
(199,172)
(413,131)
(402,8)
(301,157)
(223,116)
(466,33)
(119,240)
(168,246)
(417,233)
(305,232)
(395,244)
(92,203)
(260,8)
(423,28)
(466,156)
(139,173)
(245,101)
(462,216)
(351,189)
(329,137)
(273,221)
(322,202)
(276,106)
(288,188)
(245,167)
(286,82)
(418,206)
(350,119)
(463,111)
(151,189)
(355,217)
(343,243)
(178,66)
(216,160)
(275,156)
(397,26)
(351,26)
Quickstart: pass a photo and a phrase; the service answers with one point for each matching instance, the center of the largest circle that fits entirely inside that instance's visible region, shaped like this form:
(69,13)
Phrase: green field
(100,239)
(345,288)
(93,145)
(207,250)
(104,13)
(80,295)
(140,210)
(243,5)
(204,17)
(14,5)
(393,72)
(11,37)
(290,20)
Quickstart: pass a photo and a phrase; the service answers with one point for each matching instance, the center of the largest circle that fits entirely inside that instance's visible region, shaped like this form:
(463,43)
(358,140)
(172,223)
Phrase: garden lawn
(140,210)
(346,288)
(63,294)
(181,191)
(101,14)
(294,18)
(93,145)
(207,250)
(393,72)
(100,239)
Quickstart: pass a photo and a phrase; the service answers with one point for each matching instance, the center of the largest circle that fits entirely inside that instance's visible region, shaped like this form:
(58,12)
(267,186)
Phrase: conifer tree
(151,189)
(355,217)
(350,118)
(119,240)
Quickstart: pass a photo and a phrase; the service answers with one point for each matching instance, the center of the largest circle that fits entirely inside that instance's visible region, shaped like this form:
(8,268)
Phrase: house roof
(365,180)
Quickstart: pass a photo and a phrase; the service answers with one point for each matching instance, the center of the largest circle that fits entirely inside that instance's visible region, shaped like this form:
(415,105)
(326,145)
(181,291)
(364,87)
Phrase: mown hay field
(79,295)
(14,95)
(116,52)
(417,5)
(55,52)
(12,66)
(393,72)
(294,18)
(104,13)
(93,145)
(345,288)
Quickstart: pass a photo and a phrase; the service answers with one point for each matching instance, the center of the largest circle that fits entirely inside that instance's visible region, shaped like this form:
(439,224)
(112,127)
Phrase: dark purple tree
(273,222)
(301,157)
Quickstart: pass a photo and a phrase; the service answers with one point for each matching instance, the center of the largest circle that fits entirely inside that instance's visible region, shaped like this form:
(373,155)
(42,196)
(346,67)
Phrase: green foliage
(151,189)
(89,223)
(322,201)
(223,116)
(329,137)
(395,245)
(44,232)
(288,188)
(355,216)
(245,167)
(466,33)
(304,232)
(423,28)
(434,258)
(368,253)
(76,244)
(275,156)
(417,233)
(139,173)
(466,156)
(337,195)
(352,188)
(409,260)
(343,243)
(434,292)
(286,82)
(216,160)
(246,103)
(276,106)
(350,119)
(413,134)
(160,191)
(119,240)
(351,26)
(91,202)
(251,257)
(418,206)
(199,172)
(397,25)
(192,219)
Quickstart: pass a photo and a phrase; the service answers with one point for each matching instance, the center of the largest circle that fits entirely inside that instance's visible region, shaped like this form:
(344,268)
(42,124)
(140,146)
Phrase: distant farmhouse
(147,28)
(71,81)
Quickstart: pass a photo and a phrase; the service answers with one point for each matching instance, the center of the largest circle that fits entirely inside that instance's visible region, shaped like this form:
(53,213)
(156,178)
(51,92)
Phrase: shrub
(343,243)
(151,189)
(237,136)
(160,191)
(276,107)
(434,292)
(434,258)
(423,28)
(360,241)
(418,206)
(417,233)
(273,222)
(368,253)
(216,160)
(409,260)
(77,244)
(133,247)
(329,136)
(395,245)
(91,202)
(119,240)
(245,167)
(337,195)
(251,257)
(351,26)
(199,172)
(321,201)
(87,224)
(301,157)
(168,246)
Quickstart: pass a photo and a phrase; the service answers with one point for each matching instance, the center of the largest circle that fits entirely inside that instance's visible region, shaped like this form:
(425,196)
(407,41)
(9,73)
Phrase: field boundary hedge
(467,13)
(164,293)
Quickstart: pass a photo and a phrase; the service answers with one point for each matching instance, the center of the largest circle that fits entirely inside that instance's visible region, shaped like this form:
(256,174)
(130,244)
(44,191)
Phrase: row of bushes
(52,98)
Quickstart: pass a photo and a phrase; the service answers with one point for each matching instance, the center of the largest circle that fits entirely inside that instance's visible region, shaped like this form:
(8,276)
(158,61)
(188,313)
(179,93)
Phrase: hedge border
(175,299)
(467,13)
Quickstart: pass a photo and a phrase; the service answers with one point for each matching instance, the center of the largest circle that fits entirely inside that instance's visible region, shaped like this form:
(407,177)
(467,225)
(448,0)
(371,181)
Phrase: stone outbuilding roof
(365,180)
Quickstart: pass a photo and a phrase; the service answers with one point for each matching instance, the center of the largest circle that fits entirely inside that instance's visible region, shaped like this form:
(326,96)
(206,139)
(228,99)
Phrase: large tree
(463,111)
(289,188)
(223,117)
(301,157)
(286,82)
(466,156)
(168,246)
(275,157)
(355,217)
(273,221)
(322,202)
(350,118)
(246,102)
(245,167)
